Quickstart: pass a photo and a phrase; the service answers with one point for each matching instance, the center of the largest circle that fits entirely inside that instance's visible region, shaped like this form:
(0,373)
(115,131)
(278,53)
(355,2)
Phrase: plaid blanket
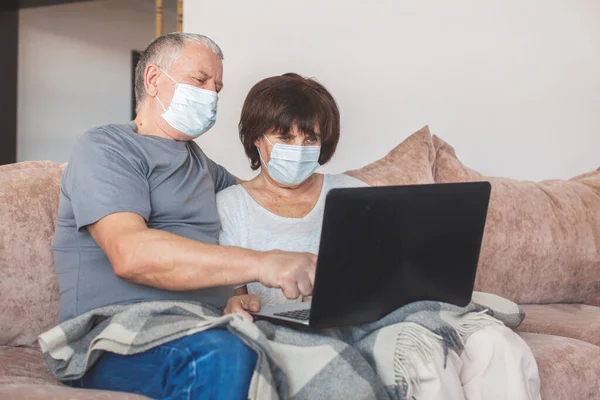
(371,361)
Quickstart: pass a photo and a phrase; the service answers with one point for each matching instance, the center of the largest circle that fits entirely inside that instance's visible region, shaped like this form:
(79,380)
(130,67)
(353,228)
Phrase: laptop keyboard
(301,315)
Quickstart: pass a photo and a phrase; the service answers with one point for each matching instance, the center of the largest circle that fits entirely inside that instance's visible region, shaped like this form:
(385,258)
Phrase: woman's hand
(243,303)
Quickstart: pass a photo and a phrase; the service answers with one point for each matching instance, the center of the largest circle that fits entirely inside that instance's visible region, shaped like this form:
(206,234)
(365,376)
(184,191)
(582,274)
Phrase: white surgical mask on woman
(292,165)
(192,111)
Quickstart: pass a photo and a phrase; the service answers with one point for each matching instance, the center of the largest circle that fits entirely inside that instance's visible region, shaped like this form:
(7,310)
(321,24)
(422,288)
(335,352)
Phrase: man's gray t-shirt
(171,184)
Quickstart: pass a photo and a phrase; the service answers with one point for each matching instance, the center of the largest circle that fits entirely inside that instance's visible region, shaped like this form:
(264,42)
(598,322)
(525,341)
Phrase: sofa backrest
(542,240)
(28,287)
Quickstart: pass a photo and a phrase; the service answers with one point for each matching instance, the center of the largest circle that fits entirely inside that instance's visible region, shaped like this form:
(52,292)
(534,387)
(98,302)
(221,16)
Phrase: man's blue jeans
(213,364)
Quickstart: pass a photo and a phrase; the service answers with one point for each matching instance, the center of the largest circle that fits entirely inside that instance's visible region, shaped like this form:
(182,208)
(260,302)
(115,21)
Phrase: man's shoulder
(106,145)
(102,140)
(108,134)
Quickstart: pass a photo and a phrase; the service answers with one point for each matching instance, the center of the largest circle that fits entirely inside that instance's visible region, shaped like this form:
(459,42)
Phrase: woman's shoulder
(230,200)
(230,194)
(336,181)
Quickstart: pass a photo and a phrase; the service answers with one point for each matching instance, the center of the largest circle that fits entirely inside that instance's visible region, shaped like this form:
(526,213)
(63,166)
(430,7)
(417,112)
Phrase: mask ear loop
(260,155)
(271,143)
(161,103)
(170,77)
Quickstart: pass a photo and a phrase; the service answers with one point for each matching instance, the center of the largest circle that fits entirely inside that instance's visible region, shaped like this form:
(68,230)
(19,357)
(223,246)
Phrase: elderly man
(138,222)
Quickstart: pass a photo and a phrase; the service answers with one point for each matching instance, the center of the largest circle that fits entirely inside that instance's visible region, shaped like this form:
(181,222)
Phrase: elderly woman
(289,127)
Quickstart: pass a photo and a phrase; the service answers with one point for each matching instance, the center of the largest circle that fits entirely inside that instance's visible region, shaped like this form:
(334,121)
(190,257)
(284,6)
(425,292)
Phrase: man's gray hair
(164,51)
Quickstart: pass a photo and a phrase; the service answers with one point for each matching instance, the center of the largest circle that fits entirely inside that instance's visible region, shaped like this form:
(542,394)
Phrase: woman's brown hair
(278,103)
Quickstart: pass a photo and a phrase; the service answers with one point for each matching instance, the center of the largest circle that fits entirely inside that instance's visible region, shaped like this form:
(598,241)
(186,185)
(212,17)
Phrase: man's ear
(151,75)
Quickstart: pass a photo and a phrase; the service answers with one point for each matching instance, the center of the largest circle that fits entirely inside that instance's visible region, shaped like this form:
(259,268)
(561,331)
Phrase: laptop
(384,247)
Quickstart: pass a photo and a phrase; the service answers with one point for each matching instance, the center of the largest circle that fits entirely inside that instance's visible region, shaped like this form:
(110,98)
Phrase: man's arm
(167,261)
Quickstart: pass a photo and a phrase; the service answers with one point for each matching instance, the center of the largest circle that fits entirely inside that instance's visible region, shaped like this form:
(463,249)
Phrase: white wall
(513,85)
(75,70)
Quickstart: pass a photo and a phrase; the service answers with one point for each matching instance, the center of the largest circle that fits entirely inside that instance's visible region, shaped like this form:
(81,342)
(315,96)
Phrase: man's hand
(243,303)
(294,273)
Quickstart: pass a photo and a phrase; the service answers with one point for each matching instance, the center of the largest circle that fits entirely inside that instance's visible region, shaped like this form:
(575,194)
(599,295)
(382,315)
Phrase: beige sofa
(565,338)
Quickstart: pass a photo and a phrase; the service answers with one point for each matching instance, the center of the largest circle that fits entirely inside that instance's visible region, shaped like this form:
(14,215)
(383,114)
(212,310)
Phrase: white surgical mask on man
(292,165)
(192,111)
